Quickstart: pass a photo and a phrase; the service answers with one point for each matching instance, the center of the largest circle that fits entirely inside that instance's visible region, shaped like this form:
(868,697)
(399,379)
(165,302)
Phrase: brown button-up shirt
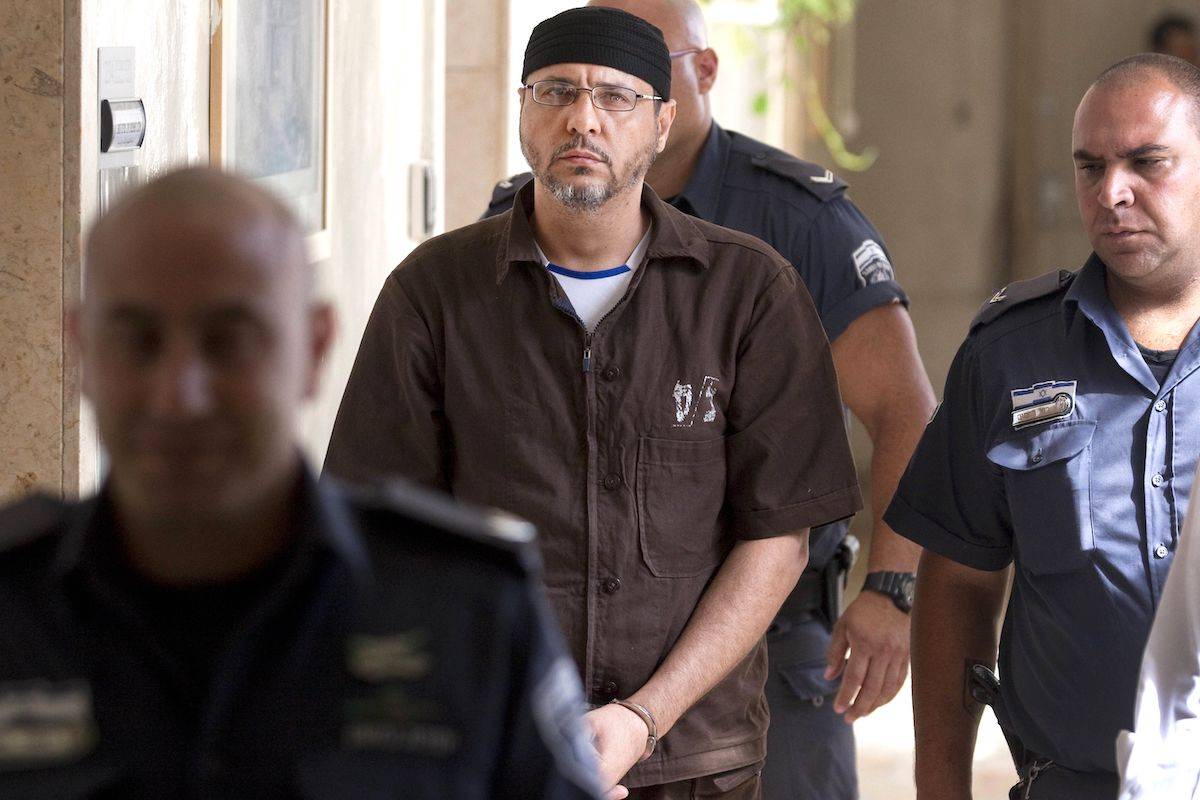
(703,410)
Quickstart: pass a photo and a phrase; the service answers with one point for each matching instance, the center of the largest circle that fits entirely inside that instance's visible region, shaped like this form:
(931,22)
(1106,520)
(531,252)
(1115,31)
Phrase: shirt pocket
(1048,483)
(680,494)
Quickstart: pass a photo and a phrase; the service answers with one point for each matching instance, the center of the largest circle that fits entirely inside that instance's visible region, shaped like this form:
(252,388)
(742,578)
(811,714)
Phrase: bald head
(199,203)
(1136,70)
(681,21)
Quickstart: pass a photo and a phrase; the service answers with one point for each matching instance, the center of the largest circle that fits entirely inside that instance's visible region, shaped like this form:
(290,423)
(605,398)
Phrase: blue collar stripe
(587,276)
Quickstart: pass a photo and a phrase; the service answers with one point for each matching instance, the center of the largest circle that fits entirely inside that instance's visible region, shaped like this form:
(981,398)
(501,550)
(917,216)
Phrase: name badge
(45,722)
(1042,402)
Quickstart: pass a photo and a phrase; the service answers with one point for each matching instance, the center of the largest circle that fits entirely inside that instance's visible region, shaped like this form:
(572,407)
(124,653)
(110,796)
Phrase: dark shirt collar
(702,195)
(320,514)
(673,234)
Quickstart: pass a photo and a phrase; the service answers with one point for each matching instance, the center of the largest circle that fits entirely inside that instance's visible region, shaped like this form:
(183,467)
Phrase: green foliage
(810,21)
(760,103)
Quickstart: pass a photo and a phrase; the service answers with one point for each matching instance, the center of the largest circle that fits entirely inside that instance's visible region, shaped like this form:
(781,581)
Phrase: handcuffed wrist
(646,717)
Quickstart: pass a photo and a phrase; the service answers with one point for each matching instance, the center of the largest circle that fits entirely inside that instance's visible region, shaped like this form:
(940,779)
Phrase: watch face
(908,587)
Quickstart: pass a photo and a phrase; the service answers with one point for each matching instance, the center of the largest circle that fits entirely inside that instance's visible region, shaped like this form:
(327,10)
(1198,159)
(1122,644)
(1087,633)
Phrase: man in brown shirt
(671,424)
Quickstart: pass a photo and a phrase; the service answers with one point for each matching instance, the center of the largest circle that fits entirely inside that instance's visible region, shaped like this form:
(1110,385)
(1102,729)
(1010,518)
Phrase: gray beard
(590,198)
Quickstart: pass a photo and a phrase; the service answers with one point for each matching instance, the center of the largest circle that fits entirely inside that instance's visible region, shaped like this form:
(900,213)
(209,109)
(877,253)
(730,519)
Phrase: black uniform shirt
(399,649)
(801,210)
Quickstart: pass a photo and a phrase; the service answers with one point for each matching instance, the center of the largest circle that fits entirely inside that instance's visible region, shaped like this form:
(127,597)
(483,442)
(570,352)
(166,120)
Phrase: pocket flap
(807,681)
(1037,447)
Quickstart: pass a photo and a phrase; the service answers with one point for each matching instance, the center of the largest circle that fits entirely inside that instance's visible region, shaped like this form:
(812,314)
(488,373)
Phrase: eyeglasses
(606,98)
(688,52)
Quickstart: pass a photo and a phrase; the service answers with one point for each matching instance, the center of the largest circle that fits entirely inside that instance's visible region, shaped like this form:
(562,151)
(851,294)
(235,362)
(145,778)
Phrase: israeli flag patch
(1042,402)
(872,263)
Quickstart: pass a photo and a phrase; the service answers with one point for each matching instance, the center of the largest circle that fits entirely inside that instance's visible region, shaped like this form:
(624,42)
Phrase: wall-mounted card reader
(123,119)
(122,125)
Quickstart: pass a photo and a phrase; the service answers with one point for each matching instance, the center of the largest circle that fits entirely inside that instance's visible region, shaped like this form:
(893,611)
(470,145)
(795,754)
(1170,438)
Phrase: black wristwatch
(896,585)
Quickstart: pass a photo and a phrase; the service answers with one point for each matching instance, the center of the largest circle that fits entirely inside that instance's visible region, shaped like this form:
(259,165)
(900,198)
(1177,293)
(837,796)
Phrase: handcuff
(646,717)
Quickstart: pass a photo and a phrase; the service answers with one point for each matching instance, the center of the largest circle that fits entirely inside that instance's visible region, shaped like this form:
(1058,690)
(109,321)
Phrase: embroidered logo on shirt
(1042,402)
(45,722)
(401,656)
(872,263)
(688,403)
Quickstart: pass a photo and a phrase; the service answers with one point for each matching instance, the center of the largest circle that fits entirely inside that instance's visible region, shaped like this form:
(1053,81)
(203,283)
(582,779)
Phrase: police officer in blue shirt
(801,210)
(1065,446)
(215,624)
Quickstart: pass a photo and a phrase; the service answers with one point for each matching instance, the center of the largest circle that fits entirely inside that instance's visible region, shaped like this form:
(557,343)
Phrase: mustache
(581,143)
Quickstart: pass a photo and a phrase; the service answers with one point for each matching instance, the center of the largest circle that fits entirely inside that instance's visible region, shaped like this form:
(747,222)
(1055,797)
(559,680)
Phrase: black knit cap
(605,36)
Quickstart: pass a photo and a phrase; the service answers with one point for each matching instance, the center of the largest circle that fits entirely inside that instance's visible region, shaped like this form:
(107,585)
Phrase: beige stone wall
(31,251)
(386,97)
(1063,45)
(476,101)
(385,94)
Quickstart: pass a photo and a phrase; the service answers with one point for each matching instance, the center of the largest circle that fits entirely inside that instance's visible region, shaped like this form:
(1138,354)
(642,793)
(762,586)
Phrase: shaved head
(1135,70)
(681,21)
(200,199)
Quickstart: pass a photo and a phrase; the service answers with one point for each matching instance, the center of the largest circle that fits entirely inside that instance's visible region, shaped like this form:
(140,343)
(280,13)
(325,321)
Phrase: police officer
(215,623)
(801,210)
(1066,445)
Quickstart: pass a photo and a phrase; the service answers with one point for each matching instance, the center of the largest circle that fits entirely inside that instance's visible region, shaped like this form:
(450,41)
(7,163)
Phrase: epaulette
(489,527)
(504,192)
(29,519)
(1020,292)
(818,180)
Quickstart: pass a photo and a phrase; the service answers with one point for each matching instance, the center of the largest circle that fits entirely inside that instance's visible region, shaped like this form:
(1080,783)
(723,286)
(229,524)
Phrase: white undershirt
(593,294)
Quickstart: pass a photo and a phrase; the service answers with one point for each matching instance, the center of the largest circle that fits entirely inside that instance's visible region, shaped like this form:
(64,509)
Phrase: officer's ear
(706,63)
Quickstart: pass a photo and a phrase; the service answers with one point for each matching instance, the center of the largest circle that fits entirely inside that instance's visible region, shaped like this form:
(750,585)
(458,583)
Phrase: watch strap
(892,585)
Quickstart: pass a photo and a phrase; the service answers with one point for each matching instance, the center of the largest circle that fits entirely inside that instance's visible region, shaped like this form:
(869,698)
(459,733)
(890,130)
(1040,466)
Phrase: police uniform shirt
(802,211)
(1056,448)
(399,649)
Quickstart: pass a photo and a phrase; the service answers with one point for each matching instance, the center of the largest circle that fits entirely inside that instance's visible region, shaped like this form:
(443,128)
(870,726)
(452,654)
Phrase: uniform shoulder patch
(814,178)
(29,519)
(504,192)
(492,528)
(1019,292)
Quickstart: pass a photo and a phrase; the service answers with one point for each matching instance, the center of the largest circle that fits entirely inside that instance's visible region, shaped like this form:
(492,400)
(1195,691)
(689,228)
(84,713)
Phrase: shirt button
(1160,551)
(612,373)
(1160,405)
(609,689)
(1158,480)
(611,481)
(611,585)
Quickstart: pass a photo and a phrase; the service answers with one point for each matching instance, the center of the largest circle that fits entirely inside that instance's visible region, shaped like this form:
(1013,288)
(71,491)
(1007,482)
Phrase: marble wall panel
(31,176)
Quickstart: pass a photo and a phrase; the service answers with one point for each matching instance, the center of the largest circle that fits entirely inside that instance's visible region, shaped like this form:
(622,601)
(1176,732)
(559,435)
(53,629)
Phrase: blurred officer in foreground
(1066,445)
(654,391)
(1160,759)
(802,211)
(214,623)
